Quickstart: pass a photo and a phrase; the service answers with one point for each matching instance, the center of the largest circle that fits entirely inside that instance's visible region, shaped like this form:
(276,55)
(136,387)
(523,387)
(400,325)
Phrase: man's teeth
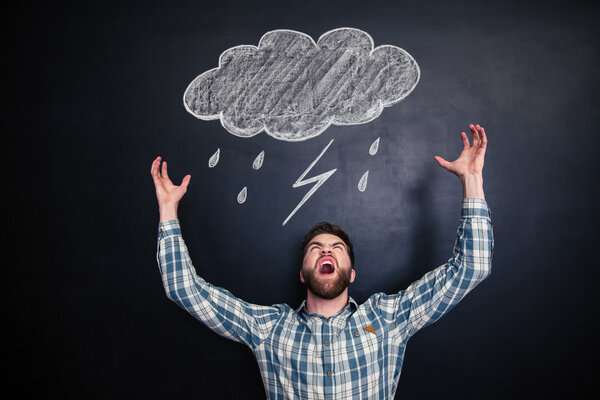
(326,267)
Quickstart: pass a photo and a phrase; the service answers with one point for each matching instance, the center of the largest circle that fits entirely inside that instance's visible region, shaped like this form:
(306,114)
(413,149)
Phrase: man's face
(326,268)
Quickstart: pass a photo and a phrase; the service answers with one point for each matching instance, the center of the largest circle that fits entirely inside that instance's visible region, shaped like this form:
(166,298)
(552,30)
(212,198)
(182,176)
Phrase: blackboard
(94,92)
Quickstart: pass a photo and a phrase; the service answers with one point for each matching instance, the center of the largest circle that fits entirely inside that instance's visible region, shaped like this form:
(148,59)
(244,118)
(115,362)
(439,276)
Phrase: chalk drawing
(214,159)
(293,88)
(258,161)
(374,147)
(319,179)
(362,184)
(241,197)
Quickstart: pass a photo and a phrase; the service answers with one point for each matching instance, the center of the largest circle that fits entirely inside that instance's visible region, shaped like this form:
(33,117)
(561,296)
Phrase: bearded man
(331,347)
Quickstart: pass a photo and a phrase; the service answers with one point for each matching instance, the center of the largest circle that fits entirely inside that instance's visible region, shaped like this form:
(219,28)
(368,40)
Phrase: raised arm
(215,307)
(437,292)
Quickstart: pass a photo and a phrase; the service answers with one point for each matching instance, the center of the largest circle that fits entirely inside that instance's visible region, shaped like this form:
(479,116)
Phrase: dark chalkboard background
(93,93)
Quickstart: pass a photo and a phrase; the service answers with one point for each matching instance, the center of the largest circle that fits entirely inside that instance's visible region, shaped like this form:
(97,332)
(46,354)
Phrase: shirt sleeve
(215,307)
(437,292)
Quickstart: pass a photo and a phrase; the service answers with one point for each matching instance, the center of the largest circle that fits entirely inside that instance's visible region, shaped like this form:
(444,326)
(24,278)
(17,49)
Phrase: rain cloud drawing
(293,88)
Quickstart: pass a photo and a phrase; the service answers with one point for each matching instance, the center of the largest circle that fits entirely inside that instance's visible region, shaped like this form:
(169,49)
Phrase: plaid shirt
(355,354)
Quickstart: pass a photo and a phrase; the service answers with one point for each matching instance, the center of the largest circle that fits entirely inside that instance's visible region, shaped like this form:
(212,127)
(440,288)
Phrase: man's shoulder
(380,303)
(372,302)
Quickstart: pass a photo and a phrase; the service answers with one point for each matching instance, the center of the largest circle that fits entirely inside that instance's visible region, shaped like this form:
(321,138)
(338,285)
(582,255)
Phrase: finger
(158,183)
(442,163)
(475,134)
(483,138)
(465,140)
(165,175)
(154,168)
(480,129)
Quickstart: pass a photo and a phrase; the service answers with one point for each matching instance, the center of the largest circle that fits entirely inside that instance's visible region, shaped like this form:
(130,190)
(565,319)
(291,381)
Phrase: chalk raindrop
(362,184)
(374,147)
(241,198)
(214,159)
(258,161)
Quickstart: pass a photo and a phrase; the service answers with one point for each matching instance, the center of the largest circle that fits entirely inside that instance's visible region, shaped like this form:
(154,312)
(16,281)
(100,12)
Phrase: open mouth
(326,266)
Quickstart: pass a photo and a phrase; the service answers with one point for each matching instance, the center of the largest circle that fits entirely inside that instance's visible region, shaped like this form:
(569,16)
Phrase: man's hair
(326,227)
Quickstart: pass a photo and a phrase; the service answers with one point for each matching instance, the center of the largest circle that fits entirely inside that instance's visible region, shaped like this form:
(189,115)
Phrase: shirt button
(327,343)
(356,333)
(329,373)
(327,319)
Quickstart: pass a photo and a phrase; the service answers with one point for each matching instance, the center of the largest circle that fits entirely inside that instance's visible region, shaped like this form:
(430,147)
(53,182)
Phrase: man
(331,347)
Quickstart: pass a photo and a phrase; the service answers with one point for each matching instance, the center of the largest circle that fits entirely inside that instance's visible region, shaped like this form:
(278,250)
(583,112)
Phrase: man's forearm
(472,186)
(167,212)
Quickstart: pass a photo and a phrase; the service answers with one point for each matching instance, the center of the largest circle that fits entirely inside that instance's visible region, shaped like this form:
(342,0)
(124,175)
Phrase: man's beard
(326,288)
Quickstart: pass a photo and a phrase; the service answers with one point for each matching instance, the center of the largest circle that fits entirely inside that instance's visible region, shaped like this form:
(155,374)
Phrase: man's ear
(352,275)
(301,276)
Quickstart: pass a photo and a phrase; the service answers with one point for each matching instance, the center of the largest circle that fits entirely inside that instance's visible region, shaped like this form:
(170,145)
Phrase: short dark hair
(326,227)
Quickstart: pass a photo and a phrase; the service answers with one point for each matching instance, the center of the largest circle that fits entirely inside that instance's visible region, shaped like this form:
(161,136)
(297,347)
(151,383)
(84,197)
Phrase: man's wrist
(167,212)
(473,186)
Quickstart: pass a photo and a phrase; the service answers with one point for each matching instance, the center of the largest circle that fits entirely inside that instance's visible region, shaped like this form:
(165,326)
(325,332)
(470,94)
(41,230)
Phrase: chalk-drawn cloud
(293,88)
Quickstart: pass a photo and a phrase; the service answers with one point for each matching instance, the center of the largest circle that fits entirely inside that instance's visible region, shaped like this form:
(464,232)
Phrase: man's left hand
(469,164)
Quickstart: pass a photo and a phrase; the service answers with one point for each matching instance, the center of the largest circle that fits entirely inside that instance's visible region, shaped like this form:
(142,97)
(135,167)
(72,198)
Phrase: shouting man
(331,347)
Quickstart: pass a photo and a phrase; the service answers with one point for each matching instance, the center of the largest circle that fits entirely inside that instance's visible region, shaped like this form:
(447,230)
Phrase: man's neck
(325,307)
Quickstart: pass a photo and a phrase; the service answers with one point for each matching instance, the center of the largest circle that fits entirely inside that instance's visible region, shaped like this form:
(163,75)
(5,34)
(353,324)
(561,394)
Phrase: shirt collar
(303,311)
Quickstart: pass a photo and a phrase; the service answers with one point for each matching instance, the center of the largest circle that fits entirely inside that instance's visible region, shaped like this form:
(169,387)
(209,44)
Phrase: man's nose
(325,250)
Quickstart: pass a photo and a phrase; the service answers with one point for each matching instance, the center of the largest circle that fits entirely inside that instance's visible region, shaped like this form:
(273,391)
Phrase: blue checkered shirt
(355,354)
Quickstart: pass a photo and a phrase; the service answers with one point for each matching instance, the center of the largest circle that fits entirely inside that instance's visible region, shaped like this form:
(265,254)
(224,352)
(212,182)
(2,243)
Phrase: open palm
(470,161)
(166,191)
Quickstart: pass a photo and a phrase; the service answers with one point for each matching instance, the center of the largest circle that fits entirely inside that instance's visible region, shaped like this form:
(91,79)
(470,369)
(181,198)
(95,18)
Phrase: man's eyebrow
(321,244)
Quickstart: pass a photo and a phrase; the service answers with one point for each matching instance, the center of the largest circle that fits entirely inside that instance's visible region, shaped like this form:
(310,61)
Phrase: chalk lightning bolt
(319,179)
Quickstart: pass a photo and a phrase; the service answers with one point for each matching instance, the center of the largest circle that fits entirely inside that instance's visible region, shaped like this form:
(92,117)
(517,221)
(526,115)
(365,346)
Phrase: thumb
(442,163)
(186,181)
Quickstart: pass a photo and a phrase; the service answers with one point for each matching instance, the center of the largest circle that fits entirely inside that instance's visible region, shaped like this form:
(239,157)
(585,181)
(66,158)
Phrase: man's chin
(326,290)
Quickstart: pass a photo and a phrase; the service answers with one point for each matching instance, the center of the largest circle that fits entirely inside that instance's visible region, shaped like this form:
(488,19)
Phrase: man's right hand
(167,194)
